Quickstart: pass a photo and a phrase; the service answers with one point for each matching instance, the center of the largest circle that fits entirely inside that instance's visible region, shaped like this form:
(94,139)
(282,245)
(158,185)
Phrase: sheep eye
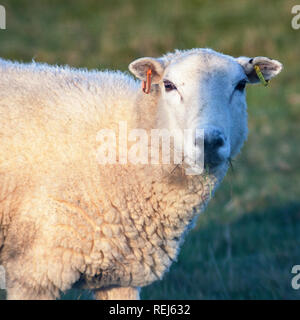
(169,85)
(241,85)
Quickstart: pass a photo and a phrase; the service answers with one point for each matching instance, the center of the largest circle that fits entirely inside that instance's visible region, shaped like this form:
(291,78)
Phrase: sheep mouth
(213,160)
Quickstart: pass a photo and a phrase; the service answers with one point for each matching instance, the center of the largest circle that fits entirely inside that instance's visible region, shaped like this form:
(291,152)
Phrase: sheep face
(203,89)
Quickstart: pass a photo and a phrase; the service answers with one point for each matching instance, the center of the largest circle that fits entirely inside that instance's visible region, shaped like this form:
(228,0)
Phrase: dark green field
(248,239)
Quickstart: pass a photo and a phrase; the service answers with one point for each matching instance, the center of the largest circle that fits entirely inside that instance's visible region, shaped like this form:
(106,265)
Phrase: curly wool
(64,217)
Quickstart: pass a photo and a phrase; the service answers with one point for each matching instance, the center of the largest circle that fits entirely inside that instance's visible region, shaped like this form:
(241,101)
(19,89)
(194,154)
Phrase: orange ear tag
(146,85)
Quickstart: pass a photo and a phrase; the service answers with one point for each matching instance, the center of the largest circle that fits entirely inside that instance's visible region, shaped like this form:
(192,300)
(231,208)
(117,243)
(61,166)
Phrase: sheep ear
(140,67)
(268,67)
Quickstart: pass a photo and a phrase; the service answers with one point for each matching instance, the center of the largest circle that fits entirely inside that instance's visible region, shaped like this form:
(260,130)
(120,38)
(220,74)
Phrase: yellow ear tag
(260,76)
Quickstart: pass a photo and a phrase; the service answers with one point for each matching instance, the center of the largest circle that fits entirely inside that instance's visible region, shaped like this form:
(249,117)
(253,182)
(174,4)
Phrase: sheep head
(201,89)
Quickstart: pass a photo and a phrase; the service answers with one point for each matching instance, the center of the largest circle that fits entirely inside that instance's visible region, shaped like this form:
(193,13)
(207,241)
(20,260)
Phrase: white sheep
(64,217)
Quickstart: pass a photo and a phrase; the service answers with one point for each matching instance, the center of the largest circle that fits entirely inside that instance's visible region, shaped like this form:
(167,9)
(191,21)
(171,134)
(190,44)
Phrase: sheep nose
(213,141)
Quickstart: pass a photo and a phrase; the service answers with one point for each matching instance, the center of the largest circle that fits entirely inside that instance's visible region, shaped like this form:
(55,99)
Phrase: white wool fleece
(65,218)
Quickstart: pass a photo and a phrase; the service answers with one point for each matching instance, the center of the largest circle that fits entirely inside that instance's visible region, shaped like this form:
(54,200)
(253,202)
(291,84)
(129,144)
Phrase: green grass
(248,239)
(249,257)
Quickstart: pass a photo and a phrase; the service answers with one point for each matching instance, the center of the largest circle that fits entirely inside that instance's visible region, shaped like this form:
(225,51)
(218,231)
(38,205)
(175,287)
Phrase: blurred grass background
(248,239)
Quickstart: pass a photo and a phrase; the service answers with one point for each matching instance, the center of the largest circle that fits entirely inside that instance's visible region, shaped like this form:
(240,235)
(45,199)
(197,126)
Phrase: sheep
(65,218)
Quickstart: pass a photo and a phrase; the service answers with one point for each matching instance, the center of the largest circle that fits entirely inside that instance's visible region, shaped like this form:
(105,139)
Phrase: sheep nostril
(218,142)
(213,141)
